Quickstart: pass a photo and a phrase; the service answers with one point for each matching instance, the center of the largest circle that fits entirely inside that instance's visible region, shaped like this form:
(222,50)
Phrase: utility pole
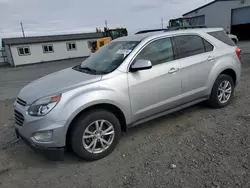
(162,25)
(22,29)
(106,24)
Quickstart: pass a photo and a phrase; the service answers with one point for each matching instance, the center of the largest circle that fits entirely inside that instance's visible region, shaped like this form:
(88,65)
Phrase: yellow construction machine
(108,35)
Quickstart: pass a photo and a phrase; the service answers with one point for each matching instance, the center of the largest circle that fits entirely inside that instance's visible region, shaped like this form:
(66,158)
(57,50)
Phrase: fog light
(44,136)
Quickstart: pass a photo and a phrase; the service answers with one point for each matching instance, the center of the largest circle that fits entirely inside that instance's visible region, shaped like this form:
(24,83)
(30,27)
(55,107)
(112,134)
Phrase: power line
(22,29)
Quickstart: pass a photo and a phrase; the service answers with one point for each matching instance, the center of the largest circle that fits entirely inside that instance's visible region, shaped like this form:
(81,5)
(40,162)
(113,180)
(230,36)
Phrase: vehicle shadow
(20,153)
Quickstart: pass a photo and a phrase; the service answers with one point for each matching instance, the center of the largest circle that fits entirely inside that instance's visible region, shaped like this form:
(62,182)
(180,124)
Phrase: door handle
(173,70)
(210,58)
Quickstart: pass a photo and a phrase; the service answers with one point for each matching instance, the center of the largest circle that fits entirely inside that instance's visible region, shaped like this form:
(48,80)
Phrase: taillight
(238,52)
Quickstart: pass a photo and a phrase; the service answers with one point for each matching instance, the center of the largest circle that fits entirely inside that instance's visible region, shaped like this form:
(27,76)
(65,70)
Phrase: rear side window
(189,45)
(208,47)
(222,36)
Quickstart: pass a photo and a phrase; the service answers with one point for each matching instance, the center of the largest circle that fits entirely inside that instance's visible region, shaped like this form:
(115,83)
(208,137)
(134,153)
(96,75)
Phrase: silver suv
(127,82)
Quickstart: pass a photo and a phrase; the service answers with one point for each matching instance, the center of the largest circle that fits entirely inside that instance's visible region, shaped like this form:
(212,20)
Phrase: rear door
(196,58)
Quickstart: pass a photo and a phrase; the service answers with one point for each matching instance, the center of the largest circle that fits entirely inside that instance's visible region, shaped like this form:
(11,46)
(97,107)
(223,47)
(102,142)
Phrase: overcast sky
(42,17)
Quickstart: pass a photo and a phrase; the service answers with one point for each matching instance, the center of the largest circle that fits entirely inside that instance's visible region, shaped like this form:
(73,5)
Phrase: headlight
(44,105)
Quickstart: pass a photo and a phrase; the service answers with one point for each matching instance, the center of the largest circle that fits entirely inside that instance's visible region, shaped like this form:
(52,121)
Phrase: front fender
(77,103)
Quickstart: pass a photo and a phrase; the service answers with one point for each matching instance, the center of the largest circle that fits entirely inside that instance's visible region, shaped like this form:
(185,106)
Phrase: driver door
(158,89)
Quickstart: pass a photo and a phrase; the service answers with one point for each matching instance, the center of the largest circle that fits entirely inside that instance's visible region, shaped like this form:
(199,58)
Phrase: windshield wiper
(88,69)
(85,69)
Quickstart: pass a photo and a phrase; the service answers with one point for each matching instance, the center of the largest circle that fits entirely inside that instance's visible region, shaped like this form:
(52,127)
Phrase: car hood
(56,83)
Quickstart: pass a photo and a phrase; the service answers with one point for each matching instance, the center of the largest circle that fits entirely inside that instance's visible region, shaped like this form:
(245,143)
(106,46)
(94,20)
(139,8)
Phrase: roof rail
(170,29)
(187,27)
(149,31)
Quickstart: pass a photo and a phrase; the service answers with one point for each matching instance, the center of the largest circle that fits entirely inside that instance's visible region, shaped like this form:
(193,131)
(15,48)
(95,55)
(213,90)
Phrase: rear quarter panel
(225,59)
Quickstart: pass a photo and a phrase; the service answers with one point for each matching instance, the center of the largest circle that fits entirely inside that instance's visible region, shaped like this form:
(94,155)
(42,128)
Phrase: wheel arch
(230,72)
(105,106)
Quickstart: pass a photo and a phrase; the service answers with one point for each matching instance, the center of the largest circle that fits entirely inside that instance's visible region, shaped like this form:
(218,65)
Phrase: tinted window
(157,52)
(189,45)
(223,37)
(209,47)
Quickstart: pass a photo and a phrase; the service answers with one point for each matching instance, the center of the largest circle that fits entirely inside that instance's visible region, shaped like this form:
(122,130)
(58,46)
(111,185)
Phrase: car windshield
(109,57)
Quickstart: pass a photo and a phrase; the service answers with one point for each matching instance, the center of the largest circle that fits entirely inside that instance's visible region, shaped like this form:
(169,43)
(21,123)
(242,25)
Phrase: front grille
(19,119)
(21,102)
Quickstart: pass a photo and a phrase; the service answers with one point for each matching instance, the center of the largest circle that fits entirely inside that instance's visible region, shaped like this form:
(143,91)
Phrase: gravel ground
(196,147)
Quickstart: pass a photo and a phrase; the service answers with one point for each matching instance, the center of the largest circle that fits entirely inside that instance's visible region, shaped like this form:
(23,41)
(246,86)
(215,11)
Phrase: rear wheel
(222,92)
(95,134)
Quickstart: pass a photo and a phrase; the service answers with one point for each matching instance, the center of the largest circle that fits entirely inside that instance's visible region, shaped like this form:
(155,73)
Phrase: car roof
(152,35)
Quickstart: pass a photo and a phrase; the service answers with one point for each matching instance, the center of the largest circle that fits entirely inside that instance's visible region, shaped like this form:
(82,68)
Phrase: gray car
(127,82)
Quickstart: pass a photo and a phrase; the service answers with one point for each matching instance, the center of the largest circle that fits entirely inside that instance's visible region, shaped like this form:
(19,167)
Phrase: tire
(83,123)
(215,96)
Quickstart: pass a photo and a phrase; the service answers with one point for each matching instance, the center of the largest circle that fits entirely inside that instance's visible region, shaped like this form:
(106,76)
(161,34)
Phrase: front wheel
(95,134)
(222,92)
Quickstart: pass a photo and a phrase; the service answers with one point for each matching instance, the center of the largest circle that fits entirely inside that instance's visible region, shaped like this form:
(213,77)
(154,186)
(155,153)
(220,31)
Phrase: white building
(232,15)
(3,59)
(29,50)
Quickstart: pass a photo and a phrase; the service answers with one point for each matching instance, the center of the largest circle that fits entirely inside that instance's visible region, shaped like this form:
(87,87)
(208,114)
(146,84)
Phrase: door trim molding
(168,111)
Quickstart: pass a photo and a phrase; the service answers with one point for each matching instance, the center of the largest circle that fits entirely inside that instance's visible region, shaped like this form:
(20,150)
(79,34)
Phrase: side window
(159,51)
(208,47)
(222,36)
(189,45)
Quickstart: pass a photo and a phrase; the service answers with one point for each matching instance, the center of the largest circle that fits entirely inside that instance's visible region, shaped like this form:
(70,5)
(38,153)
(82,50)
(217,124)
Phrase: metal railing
(3,57)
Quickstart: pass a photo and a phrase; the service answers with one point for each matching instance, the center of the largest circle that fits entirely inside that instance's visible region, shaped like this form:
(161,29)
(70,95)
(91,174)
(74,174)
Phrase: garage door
(241,22)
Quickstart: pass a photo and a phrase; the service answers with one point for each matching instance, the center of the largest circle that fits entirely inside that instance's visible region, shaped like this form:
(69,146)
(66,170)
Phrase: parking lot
(209,147)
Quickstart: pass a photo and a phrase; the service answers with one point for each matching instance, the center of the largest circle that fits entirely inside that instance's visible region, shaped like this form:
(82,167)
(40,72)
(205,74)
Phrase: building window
(48,48)
(22,51)
(71,46)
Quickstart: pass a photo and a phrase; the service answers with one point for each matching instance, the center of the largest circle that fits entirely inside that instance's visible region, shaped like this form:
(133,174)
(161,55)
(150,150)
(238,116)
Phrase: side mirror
(141,65)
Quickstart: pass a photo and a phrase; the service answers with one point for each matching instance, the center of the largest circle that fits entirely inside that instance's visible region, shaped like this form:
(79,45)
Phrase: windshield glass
(109,57)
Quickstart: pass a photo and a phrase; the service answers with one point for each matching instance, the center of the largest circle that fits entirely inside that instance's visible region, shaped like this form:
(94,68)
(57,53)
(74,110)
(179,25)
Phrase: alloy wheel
(224,91)
(98,136)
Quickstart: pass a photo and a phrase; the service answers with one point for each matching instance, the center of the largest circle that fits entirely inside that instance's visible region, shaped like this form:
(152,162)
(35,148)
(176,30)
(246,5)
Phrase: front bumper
(27,126)
(50,153)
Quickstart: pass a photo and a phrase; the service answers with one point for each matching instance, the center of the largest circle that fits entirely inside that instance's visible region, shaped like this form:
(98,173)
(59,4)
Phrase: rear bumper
(50,153)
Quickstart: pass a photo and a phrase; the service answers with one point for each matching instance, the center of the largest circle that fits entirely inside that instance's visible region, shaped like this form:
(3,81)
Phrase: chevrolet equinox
(131,80)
